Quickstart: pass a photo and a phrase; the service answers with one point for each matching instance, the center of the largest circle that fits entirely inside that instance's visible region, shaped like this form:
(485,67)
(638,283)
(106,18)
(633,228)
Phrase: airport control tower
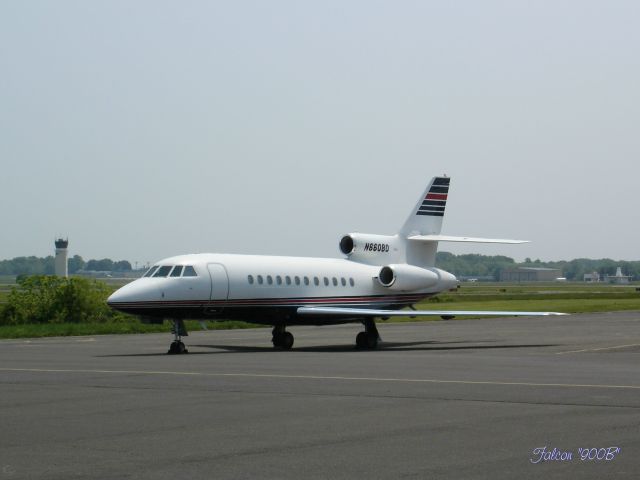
(61,267)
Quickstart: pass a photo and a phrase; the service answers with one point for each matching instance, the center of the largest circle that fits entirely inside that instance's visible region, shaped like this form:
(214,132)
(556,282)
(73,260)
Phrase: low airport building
(530,274)
(593,277)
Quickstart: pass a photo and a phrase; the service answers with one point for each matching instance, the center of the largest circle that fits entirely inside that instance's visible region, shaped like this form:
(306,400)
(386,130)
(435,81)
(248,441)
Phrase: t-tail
(417,241)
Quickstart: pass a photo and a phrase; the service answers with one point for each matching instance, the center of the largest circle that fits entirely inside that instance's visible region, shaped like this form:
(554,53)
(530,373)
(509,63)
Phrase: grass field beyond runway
(557,297)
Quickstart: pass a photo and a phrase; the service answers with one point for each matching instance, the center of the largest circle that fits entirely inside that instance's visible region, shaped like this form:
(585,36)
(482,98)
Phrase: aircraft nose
(132,293)
(115,297)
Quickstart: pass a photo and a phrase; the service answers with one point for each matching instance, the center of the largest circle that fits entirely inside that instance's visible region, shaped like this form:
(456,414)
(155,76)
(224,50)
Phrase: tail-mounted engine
(371,249)
(407,277)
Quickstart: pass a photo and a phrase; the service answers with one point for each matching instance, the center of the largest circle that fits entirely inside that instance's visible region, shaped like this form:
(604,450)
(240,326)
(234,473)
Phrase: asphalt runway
(455,399)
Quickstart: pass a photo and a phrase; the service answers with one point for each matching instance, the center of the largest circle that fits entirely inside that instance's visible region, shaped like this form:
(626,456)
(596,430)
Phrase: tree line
(484,266)
(45,265)
(466,265)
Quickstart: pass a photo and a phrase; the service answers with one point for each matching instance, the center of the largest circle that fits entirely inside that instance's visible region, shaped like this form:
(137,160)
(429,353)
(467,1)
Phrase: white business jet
(380,275)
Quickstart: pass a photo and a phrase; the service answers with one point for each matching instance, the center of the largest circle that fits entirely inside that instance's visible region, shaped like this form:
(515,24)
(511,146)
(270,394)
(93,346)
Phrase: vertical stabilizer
(426,219)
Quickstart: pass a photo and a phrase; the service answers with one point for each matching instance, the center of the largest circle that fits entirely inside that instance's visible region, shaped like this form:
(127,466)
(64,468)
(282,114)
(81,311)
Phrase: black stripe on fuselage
(272,310)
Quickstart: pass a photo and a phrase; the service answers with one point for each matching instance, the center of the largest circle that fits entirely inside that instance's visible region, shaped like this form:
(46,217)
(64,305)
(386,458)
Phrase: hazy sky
(144,129)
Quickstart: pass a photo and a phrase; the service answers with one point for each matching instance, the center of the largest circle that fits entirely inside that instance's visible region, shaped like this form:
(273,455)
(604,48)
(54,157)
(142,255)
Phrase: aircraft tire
(286,341)
(361,340)
(177,348)
(372,341)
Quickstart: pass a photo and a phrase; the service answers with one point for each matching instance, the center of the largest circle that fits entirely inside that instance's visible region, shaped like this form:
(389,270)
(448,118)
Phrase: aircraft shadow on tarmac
(384,347)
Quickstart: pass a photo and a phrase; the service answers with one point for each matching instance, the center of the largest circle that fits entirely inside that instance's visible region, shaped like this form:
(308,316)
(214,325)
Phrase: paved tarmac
(456,399)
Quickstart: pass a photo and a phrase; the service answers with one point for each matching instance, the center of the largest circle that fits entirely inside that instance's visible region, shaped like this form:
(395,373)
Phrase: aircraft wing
(373,312)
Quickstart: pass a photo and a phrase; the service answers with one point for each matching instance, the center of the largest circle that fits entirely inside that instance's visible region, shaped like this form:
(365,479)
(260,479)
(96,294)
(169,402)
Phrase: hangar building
(530,274)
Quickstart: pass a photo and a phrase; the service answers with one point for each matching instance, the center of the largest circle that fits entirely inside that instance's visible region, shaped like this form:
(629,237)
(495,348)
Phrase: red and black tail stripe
(434,203)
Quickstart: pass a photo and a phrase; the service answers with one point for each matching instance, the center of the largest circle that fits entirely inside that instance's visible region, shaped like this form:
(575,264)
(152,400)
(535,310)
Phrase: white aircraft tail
(417,241)
(426,217)
(421,231)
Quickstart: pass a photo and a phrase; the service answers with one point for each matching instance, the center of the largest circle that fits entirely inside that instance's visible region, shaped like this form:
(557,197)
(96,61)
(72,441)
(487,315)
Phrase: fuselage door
(219,288)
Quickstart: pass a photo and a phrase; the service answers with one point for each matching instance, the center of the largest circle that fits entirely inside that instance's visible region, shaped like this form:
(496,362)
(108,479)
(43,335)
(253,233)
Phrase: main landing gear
(368,340)
(281,338)
(179,330)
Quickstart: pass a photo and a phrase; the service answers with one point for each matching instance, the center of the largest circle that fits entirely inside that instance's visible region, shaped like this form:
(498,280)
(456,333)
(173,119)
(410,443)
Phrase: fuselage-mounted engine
(372,249)
(404,277)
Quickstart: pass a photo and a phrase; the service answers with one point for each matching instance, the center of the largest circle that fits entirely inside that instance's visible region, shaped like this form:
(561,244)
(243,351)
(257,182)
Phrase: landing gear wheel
(372,341)
(286,341)
(177,348)
(367,340)
(281,338)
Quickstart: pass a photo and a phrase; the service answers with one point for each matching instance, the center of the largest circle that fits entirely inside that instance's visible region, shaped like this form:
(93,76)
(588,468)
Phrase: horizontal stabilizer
(450,238)
(372,312)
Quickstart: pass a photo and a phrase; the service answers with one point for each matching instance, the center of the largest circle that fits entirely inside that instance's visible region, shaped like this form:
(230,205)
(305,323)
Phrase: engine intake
(346,244)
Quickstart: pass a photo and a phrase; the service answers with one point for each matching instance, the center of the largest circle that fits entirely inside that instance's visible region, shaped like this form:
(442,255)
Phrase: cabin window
(326,282)
(177,271)
(316,281)
(335,281)
(343,281)
(189,271)
(151,271)
(279,280)
(297,280)
(351,282)
(287,280)
(163,271)
(306,280)
(269,279)
(260,280)
(250,279)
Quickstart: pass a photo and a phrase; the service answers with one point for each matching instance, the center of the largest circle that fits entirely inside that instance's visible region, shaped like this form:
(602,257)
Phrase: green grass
(133,326)
(559,297)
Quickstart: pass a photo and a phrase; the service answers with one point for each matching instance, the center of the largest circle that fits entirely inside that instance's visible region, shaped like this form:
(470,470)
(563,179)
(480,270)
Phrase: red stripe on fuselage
(336,301)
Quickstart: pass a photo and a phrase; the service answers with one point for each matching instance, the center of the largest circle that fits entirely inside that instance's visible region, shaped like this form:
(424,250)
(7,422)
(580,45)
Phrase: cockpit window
(189,271)
(177,271)
(151,271)
(163,271)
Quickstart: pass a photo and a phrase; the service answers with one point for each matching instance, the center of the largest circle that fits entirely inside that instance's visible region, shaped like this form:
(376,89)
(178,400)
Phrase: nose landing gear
(179,330)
